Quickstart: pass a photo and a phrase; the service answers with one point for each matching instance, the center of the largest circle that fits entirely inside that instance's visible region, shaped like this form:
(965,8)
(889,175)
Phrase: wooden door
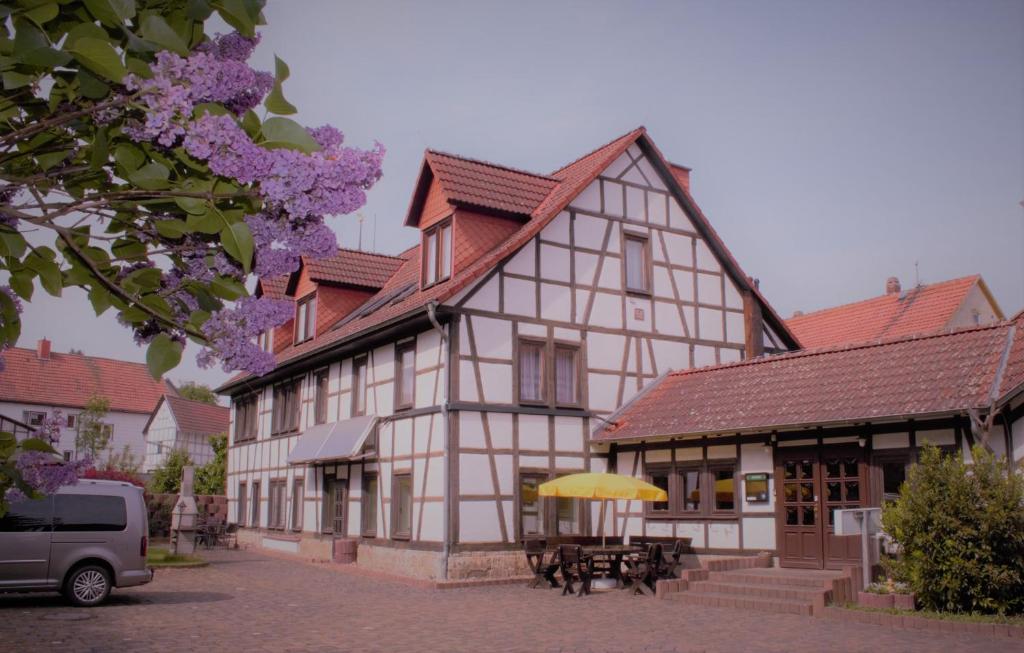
(335,504)
(798,512)
(843,485)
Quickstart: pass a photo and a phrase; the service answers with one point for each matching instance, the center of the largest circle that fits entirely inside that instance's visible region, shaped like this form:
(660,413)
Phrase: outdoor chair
(542,566)
(575,566)
(643,571)
(230,537)
(671,561)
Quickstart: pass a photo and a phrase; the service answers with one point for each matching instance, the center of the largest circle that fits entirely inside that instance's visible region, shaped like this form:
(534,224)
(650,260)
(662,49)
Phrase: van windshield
(89,512)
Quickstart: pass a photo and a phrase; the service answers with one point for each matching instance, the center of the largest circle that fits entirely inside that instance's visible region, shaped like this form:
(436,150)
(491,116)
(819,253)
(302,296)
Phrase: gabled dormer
(464,208)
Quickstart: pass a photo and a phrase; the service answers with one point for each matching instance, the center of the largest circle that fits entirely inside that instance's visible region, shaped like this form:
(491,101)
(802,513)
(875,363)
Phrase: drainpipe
(447,500)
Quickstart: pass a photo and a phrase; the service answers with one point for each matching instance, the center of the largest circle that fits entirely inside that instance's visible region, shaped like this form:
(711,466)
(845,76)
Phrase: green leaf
(284,132)
(152,176)
(171,228)
(163,355)
(211,108)
(111,12)
(134,315)
(198,10)
(100,57)
(36,444)
(129,157)
(43,13)
(129,249)
(100,298)
(227,288)
(48,271)
(208,223)
(10,327)
(156,29)
(84,30)
(146,279)
(12,243)
(28,36)
(237,241)
(191,205)
(275,101)
(44,58)
(50,159)
(100,152)
(21,283)
(13,80)
(240,14)
(92,86)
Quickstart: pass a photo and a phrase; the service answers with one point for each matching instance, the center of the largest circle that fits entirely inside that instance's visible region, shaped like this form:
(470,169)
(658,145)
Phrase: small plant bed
(947,616)
(985,625)
(164,558)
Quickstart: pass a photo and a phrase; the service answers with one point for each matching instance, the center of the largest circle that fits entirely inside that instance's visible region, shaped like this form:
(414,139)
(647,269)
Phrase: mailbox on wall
(756,487)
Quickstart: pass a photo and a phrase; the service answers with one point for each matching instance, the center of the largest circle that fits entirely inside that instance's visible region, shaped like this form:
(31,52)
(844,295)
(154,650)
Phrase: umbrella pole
(604,525)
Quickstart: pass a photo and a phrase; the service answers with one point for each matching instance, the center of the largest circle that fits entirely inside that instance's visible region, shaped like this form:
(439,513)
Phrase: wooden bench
(672,556)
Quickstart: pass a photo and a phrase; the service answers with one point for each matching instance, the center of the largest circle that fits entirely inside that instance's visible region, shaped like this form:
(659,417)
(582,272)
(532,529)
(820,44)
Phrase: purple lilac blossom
(49,429)
(44,472)
(279,243)
(232,333)
(13,495)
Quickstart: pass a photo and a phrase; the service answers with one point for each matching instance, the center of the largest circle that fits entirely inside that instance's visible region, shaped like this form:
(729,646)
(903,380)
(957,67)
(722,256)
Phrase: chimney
(892,286)
(43,349)
(798,313)
(682,175)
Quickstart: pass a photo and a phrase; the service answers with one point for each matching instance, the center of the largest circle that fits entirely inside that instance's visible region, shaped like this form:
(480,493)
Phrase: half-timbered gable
(419,400)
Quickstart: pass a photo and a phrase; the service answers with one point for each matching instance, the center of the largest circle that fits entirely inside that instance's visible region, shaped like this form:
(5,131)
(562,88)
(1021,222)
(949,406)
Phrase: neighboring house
(419,400)
(36,382)
(18,429)
(925,309)
(757,455)
(178,423)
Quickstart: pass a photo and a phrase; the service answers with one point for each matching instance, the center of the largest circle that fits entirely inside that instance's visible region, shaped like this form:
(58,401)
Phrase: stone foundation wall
(474,565)
(307,546)
(425,565)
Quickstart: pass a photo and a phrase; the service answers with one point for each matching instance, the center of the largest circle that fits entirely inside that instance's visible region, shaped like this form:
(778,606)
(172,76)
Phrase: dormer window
(437,253)
(305,319)
(265,340)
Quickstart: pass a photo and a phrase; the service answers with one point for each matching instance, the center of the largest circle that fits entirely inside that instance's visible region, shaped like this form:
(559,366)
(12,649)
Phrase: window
(567,375)
(265,340)
(531,508)
(401,507)
(437,253)
(359,386)
(322,378)
(276,506)
(637,264)
(246,410)
(298,502)
(33,418)
(567,516)
(89,512)
(305,318)
(405,374)
(539,516)
(27,516)
(534,372)
(71,421)
(531,372)
(683,482)
(368,506)
(254,519)
(285,413)
(67,455)
(242,503)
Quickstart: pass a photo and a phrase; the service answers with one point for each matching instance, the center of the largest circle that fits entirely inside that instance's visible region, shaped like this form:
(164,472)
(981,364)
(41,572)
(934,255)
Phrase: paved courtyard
(251,602)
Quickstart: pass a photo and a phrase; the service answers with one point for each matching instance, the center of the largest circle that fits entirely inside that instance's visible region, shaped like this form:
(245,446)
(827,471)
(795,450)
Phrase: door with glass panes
(811,484)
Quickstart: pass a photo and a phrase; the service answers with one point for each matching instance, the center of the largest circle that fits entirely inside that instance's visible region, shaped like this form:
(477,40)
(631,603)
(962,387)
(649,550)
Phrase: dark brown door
(810,485)
(335,503)
(797,486)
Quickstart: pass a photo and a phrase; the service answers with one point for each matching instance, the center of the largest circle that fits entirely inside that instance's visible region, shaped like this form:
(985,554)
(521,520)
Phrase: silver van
(81,541)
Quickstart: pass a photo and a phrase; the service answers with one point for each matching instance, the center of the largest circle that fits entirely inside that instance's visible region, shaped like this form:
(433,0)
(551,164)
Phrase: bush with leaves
(166,478)
(960,530)
(197,392)
(123,461)
(93,434)
(210,478)
(108,474)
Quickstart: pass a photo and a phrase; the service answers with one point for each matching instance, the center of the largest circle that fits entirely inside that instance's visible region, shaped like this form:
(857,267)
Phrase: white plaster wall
(1017,431)
(975,309)
(160,438)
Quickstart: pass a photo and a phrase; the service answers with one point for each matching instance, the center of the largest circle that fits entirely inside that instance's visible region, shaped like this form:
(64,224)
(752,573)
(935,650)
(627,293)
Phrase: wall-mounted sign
(757,487)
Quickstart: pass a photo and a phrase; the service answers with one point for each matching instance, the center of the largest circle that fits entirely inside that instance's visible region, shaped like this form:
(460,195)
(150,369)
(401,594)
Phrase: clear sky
(832,144)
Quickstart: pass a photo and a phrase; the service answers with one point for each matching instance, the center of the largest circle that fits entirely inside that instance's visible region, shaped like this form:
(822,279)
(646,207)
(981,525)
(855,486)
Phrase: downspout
(447,500)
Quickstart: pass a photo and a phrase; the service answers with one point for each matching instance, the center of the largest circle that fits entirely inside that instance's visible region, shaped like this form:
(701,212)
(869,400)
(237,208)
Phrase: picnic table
(609,558)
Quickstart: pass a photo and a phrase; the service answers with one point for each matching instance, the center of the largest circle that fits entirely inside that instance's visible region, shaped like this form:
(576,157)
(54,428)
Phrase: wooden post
(753,326)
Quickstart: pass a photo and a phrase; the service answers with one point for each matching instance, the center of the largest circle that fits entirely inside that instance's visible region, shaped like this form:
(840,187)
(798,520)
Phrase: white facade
(164,436)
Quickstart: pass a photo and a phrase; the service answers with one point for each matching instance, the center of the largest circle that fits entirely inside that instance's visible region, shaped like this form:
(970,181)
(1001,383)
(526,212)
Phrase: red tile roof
(568,181)
(197,416)
(70,380)
(488,185)
(353,267)
(906,377)
(274,287)
(924,309)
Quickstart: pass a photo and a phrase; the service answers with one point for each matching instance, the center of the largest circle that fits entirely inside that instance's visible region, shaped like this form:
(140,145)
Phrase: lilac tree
(132,138)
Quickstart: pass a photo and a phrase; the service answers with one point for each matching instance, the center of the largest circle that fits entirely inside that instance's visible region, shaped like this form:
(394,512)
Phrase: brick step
(710,599)
(744,590)
(775,579)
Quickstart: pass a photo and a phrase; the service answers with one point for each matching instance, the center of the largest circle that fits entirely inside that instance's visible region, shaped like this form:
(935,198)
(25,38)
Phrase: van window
(28,516)
(89,512)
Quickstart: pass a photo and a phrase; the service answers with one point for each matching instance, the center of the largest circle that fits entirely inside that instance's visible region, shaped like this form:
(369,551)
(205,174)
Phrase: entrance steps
(787,591)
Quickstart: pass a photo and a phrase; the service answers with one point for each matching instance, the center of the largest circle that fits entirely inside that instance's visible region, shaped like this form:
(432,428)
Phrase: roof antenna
(917,275)
(360,217)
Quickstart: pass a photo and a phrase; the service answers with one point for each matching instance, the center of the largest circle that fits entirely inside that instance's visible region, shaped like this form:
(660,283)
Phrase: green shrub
(210,478)
(166,478)
(960,529)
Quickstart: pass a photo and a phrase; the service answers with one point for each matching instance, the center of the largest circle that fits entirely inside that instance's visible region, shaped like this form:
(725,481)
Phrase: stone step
(714,600)
(778,579)
(753,590)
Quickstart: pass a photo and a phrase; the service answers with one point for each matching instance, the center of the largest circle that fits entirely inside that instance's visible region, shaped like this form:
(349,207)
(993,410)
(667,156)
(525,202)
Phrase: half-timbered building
(419,399)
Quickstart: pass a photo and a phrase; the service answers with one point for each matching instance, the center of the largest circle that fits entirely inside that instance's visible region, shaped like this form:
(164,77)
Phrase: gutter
(446,509)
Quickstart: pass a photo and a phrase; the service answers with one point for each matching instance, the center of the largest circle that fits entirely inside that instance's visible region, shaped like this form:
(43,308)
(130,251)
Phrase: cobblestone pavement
(252,602)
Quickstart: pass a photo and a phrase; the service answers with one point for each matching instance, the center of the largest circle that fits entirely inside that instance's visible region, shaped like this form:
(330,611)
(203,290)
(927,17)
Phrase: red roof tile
(70,380)
(488,185)
(354,268)
(897,378)
(274,287)
(924,309)
(1013,375)
(567,181)
(197,416)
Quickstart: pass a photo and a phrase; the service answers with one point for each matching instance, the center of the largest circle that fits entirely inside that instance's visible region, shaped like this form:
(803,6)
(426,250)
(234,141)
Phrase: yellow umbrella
(594,485)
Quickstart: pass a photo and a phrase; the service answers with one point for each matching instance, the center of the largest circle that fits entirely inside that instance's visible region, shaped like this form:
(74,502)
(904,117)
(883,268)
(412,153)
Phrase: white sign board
(848,522)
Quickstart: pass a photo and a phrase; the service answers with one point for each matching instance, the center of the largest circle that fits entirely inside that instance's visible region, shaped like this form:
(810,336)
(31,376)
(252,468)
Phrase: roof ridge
(194,401)
(368,253)
(492,164)
(641,129)
(832,349)
(90,356)
(877,297)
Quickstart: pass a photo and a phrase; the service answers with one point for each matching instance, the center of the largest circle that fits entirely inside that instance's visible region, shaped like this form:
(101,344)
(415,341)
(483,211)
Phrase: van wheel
(88,586)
